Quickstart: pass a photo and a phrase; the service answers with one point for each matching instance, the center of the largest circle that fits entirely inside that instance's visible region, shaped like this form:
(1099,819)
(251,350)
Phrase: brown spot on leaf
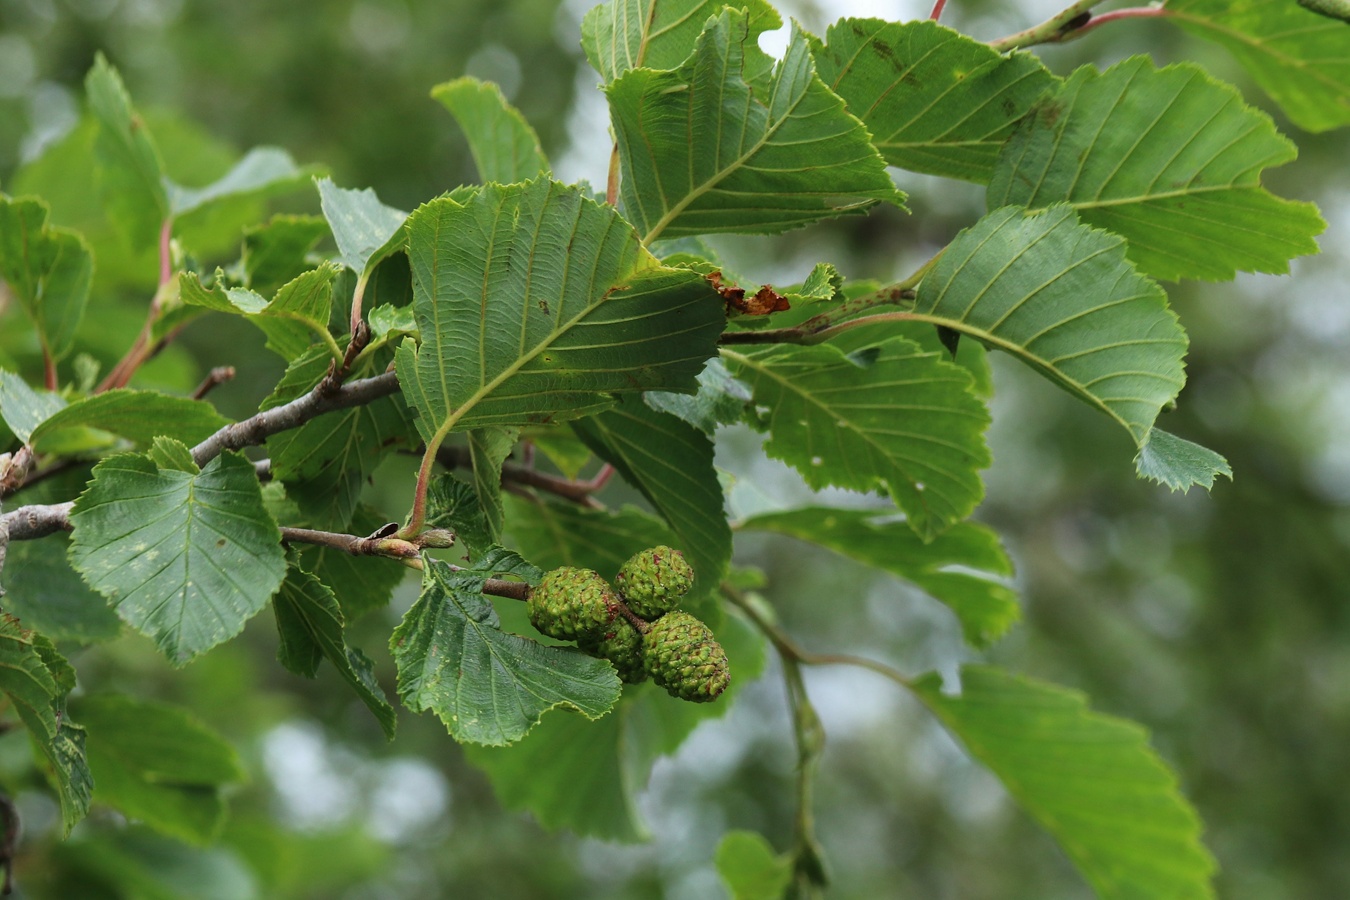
(766,300)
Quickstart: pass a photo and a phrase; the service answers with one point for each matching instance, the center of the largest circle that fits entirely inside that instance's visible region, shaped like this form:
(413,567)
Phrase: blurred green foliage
(1221,622)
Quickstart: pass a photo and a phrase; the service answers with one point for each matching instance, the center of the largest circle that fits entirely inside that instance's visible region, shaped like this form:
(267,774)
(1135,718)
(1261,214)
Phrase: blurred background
(1219,621)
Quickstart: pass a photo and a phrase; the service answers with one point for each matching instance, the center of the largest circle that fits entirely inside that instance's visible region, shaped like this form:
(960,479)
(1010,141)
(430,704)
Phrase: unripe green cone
(685,659)
(653,581)
(573,605)
(622,645)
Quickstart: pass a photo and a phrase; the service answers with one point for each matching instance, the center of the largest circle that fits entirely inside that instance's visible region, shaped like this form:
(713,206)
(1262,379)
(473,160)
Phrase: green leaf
(958,567)
(263,170)
(488,450)
(36,679)
(48,270)
(487,686)
(46,594)
(504,146)
(584,776)
(276,252)
(721,399)
(360,583)
(184,557)
(159,764)
(1063,299)
(671,463)
(133,861)
(326,462)
(1168,158)
(299,311)
(619,35)
(365,229)
(1302,60)
(935,100)
(750,868)
(535,303)
(1091,780)
(24,408)
(131,175)
(312,629)
(1177,463)
(723,144)
(137,416)
(889,417)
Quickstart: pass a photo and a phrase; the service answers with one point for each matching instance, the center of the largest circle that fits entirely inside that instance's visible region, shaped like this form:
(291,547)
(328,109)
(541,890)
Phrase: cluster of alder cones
(634,623)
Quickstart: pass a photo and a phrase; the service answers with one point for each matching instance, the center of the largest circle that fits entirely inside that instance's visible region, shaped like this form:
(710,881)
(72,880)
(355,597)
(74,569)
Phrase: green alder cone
(573,604)
(622,645)
(653,581)
(684,658)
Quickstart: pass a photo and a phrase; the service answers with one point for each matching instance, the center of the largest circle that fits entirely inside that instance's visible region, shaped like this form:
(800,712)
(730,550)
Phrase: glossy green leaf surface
(36,679)
(504,146)
(619,35)
(935,100)
(1063,299)
(671,463)
(311,629)
(158,764)
(1301,59)
(487,686)
(964,567)
(1169,159)
(1091,780)
(48,269)
(785,152)
(186,557)
(535,303)
(890,417)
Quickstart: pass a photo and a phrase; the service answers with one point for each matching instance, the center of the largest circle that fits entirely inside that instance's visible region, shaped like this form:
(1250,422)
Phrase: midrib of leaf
(811,399)
(722,173)
(1079,390)
(1306,69)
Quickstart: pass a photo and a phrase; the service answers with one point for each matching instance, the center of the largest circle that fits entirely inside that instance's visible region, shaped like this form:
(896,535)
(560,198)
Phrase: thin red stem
(49,376)
(1133,12)
(937,9)
(166,252)
(612,183)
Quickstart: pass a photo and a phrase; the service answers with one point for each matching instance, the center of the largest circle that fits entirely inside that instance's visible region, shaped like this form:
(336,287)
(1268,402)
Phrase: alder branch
(328,395)
(28,523)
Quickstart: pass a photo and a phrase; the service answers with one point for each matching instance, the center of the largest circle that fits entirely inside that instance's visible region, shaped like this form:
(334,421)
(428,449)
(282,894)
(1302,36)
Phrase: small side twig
(216,377)
(575,491)
(14,470)
(325,397)
(1072,22)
